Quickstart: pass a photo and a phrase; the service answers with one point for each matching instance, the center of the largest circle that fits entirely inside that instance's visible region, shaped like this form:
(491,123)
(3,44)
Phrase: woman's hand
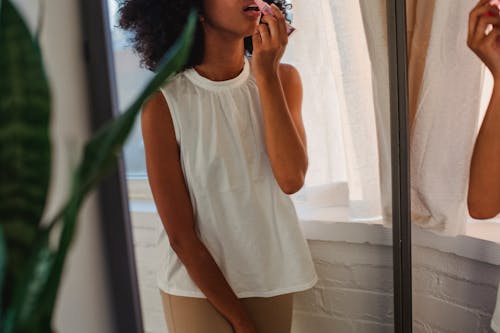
(269,43)
(246,326)
(486,47)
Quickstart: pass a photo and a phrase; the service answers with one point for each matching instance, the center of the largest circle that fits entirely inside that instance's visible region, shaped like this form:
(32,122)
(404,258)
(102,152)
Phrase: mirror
(311,255)
(454,192)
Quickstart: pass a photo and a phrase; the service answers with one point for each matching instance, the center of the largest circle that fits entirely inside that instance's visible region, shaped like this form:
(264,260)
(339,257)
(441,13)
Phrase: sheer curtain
(331,52)
(446,122)
(374,13)
(419,15)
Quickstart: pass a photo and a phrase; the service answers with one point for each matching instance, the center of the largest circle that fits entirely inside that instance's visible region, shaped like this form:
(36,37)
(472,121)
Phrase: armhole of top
(177,129)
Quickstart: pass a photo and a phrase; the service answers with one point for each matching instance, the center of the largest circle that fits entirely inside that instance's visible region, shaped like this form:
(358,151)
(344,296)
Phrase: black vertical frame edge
(398,71)
(112,193)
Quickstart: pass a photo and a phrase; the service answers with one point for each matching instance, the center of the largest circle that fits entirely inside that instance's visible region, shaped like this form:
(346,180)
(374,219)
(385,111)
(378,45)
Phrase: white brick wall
(144,231)
(354,292)
(452,293)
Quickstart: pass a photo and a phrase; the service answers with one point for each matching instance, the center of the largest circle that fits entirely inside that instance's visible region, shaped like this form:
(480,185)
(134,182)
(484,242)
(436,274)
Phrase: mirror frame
(113,194)
(400,158)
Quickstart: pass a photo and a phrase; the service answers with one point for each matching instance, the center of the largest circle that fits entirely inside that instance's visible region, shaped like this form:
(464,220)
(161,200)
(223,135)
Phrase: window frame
(400,166)
(112,191)
(113,194)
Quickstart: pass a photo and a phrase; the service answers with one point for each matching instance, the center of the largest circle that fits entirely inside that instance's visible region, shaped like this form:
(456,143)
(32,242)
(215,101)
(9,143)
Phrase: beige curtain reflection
(419,16)
(419,19)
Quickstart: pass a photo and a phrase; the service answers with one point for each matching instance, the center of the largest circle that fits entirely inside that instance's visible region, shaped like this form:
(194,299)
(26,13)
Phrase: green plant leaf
(108,142)
(0,11)
(3,263)
(36,294)
(101,151)
(20,316)
(25,150)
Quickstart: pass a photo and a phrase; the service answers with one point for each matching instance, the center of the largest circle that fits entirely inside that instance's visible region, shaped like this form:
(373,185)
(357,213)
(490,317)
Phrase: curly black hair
(156,24)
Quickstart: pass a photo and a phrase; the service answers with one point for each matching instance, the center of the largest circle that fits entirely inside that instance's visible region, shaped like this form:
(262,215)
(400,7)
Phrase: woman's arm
(281,99)
(484,184)
(280,91)
(176,212)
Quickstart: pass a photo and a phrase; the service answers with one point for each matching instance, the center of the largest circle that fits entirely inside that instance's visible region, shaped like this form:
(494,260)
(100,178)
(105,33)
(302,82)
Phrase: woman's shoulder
(175,86)
(290,78)
(288,70)
(177,76)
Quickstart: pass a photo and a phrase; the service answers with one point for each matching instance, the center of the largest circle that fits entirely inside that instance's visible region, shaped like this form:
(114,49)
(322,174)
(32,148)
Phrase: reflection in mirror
(260,195)
(455,188)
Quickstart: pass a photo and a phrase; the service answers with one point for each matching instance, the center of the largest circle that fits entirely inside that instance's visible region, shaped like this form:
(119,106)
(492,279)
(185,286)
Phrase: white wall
(354,294)
(144,236)
(82,304)
(452,293)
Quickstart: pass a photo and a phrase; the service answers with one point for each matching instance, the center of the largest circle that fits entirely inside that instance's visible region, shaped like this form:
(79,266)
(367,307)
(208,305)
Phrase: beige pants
(198,315)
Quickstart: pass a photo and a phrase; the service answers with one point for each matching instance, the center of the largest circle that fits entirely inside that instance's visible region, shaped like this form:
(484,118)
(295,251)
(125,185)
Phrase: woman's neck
(223,59)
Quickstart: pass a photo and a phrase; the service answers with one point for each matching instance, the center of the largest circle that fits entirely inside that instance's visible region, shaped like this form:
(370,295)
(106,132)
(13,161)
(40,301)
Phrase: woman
(484,184)
(225,145)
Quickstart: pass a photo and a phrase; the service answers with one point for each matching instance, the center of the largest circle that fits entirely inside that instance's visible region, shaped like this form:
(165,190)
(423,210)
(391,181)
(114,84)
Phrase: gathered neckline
(206,83)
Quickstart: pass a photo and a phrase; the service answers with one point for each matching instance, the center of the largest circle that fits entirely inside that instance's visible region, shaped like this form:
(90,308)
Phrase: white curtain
(446,123)
(375,21)
(330,51)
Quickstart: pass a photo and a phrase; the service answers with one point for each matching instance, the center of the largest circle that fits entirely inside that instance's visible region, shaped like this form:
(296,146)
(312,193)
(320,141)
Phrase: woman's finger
(264,34)
(483,23)
(256,40)
(480,3)
(482,8)
(490,46)
(476,16)
(281,23)
(272,25)
(492,36)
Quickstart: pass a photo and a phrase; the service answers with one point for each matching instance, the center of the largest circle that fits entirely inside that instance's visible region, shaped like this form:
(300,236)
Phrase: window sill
(481,242)
(488,230)
(334,224)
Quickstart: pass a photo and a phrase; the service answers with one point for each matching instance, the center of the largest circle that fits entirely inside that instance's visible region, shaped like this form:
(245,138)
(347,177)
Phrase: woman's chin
(249,31)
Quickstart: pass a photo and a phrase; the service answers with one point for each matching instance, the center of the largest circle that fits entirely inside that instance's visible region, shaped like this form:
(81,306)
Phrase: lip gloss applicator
(266,8)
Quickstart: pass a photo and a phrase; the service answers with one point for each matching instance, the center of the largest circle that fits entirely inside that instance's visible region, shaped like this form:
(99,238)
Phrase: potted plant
(33,252)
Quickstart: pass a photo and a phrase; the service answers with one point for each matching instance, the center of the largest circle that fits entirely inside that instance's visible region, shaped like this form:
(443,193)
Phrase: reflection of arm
(484,185)
(176,211)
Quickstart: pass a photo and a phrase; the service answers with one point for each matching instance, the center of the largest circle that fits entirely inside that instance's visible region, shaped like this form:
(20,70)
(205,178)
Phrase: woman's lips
(252,14)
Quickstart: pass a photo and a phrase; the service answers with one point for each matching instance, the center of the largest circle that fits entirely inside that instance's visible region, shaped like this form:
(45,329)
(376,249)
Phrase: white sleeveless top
(248,224)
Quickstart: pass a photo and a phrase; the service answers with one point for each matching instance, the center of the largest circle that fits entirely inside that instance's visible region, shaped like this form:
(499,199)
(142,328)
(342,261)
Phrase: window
(338,108)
